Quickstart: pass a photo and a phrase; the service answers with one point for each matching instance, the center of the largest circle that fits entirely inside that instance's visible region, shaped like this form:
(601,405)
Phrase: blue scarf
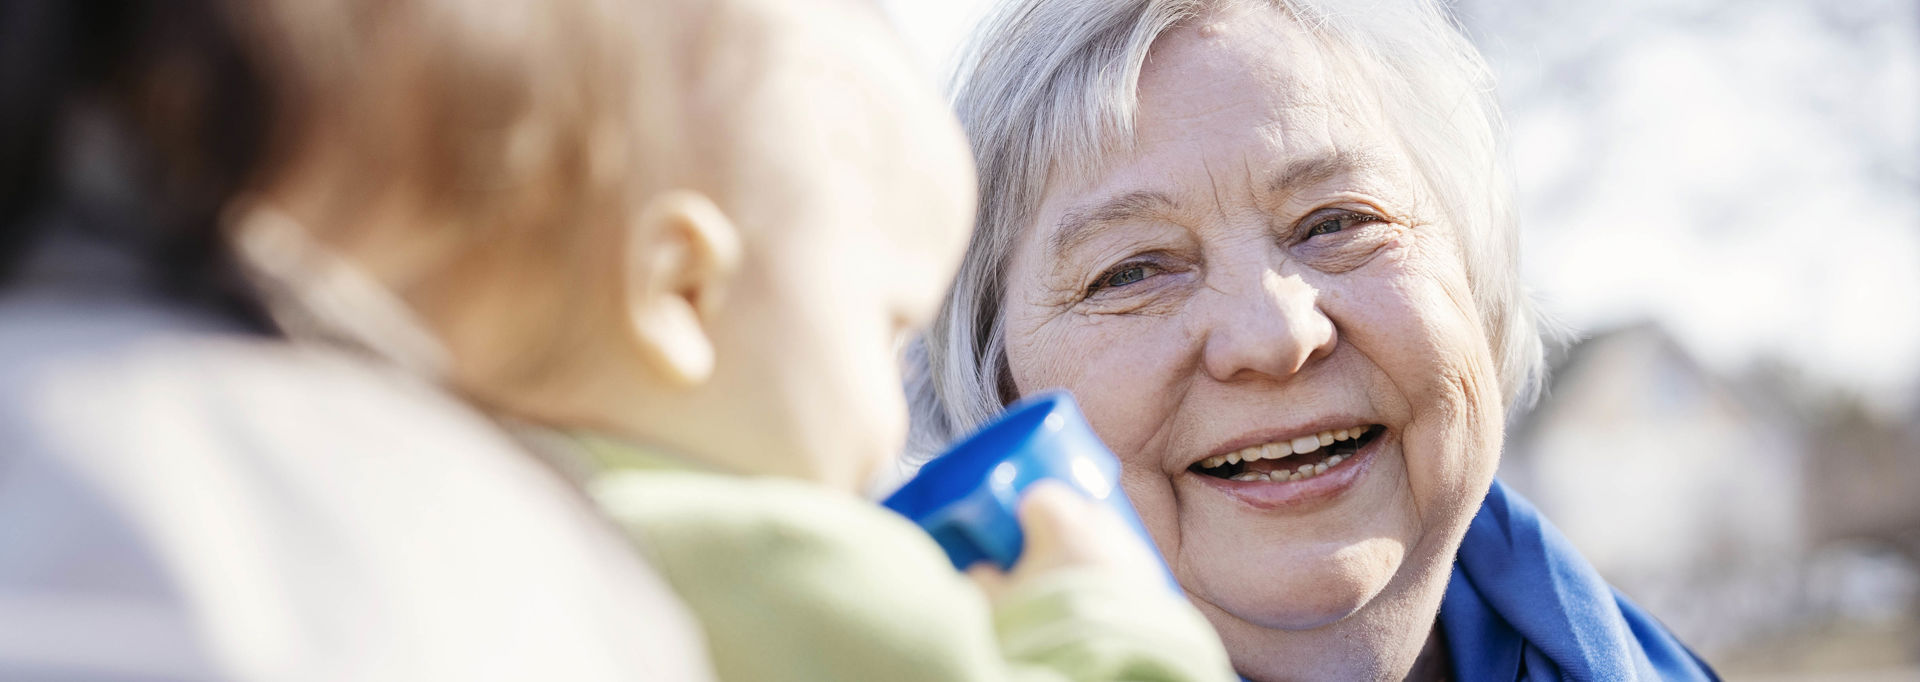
(1523,605)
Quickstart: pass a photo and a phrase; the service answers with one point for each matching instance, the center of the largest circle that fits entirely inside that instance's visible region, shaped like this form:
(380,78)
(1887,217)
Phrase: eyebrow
(1319,168)
(1080,224)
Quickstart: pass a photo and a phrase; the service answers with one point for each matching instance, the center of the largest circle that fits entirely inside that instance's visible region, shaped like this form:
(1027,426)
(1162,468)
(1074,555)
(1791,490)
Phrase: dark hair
(174,81)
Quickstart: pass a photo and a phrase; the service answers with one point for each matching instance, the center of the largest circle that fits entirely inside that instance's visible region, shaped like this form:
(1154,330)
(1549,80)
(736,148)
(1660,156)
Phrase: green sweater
(792,581)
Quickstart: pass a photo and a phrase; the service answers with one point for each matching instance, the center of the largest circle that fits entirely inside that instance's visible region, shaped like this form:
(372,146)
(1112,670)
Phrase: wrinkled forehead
(1249,72)
(1243,89)
(1264,47)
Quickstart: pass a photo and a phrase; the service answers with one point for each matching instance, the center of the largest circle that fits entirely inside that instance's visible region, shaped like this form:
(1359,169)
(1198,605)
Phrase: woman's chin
(1315,593)
(1317,612)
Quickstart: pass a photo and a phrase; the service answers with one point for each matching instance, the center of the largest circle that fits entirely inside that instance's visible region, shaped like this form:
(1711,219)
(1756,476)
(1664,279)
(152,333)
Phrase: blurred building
(1743,511)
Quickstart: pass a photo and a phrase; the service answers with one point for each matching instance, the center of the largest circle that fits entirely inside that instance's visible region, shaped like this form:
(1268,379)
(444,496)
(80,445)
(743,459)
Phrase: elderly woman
(1270,248)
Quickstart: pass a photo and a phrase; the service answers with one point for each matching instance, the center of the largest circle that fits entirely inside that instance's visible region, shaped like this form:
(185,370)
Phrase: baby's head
(701,225)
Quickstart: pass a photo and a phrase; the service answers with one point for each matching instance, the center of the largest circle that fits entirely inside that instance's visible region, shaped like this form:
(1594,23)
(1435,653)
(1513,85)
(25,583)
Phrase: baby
(692,267)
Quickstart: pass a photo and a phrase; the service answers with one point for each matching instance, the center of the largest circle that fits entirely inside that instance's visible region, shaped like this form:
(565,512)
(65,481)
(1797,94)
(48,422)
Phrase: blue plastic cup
(968,497)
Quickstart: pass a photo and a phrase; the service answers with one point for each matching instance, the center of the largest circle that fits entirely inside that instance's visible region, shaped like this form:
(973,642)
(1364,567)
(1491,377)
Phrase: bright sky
(1746,172)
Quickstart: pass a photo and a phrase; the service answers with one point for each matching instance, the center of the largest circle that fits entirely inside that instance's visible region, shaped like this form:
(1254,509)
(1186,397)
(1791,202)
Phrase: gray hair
(1049,86)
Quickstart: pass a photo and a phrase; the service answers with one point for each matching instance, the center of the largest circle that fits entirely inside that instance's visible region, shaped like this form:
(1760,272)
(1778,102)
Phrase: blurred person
(687,279)
(203,478)
(1270,248)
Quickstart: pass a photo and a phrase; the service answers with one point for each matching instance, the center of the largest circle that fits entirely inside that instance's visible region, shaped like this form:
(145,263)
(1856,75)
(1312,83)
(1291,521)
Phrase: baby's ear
(681,254)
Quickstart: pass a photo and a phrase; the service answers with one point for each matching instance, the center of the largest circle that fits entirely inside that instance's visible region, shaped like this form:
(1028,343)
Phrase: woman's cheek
(1441,369)
(1119,368)
(1070,350)
(1124,371)
(1113,366)
(1152,496)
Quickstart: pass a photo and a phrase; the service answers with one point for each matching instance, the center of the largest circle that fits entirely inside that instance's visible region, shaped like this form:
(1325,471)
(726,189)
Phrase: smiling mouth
(1299,459)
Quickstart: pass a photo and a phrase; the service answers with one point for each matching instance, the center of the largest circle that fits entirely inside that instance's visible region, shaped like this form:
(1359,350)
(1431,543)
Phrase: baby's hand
(1066,530)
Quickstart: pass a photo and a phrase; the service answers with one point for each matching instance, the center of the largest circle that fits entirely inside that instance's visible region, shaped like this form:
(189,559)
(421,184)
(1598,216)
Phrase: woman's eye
(1120,277)
(1335,222)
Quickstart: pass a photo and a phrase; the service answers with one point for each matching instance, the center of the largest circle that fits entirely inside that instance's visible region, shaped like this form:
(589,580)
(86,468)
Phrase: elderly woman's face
(1262,278)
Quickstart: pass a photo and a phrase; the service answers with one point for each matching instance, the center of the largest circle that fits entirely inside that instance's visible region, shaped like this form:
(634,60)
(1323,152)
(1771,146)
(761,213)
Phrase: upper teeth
(1297,446)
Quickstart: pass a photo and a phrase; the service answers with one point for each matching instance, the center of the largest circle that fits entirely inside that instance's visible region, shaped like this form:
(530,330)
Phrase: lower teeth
(1305,471)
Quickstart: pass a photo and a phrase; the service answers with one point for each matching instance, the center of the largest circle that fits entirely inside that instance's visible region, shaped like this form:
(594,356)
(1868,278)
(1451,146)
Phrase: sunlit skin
(1263,263)
(805,200)
(853,201)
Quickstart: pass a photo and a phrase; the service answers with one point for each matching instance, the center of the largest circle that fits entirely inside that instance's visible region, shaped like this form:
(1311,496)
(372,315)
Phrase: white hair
(1049,86)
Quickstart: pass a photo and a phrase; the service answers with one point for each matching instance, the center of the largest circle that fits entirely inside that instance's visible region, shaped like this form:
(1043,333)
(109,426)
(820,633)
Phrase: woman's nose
(1270,330)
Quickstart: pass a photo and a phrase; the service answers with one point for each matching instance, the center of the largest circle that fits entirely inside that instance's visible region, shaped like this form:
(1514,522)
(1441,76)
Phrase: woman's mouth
(1300,459)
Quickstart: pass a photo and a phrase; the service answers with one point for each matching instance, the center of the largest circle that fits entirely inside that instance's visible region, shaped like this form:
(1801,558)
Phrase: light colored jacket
(183,500)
